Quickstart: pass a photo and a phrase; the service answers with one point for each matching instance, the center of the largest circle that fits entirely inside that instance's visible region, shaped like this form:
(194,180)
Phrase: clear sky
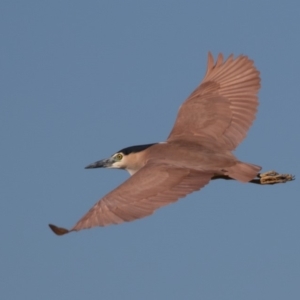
(83,79)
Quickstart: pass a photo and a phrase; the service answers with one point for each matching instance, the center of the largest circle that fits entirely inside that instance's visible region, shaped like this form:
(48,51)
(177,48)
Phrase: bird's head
(116,161)
(130,159)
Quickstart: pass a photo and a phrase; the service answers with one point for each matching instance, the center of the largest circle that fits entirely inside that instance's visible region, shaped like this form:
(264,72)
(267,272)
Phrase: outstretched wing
(150,188)
(222,108)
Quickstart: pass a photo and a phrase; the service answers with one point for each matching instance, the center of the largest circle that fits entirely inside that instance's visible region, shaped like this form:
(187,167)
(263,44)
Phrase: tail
(243,172)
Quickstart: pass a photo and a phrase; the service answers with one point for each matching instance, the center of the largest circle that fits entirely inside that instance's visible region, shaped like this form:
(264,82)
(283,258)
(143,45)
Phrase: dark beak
(104,163)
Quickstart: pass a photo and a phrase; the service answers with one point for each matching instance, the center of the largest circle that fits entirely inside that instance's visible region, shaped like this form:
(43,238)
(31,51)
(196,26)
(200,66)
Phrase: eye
(118,156)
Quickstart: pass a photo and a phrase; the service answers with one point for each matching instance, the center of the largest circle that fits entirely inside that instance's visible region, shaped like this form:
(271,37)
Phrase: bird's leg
(270,177)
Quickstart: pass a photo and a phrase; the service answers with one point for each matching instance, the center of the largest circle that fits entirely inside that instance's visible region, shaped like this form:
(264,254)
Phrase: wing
(150,188)
(223,107)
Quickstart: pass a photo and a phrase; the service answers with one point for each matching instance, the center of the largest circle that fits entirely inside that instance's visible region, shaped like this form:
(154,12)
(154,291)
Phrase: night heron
(210,124)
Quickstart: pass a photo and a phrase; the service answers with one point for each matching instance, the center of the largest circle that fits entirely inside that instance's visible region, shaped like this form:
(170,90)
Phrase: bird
(210,124)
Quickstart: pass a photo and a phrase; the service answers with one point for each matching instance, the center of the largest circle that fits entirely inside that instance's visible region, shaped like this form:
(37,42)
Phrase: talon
(269,173)
(273,177)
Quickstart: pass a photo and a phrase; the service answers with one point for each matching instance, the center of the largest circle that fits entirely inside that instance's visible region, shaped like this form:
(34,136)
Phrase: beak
(104,163)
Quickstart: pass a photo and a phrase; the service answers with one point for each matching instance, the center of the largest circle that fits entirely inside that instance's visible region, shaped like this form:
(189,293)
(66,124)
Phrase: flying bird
(210,124)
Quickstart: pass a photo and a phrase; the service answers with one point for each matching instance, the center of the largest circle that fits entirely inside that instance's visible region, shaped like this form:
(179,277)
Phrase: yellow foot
(273,177)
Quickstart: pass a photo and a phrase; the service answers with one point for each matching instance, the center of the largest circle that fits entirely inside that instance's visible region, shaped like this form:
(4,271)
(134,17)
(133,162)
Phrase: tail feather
(243,172)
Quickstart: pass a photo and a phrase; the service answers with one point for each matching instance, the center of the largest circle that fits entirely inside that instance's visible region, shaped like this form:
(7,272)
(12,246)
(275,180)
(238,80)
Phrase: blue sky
(83,79)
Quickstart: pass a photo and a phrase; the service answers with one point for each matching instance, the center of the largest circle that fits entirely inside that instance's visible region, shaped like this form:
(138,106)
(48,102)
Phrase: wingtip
(210,58)
(58,230)
(210,63)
